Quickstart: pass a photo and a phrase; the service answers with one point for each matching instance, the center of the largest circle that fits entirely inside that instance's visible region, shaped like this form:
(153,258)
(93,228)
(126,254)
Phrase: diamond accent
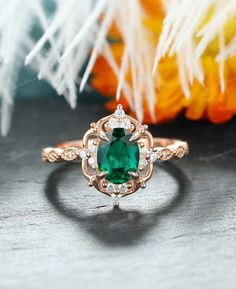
(92,161)
(83,154)
(165,154)
(126,123)
(112,123)
(123,188)
(110,188)
(153,157)
(93,148)
(119,112)
(143,151)
(142,163)
(123,123)
(69,154)
(53,156)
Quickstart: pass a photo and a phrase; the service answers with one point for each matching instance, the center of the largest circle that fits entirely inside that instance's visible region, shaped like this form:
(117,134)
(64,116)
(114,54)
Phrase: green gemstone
(118,156)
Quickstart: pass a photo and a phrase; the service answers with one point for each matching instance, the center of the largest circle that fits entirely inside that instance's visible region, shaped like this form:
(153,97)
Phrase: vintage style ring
(117,154)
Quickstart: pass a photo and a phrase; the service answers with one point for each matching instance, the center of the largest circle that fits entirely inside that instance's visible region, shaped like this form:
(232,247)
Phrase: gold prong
(88,154)
(103,136)
(132,127)
(106,126)
(91,181)
(119,106)
(135,136)
(145,126)
(134,175)
(141,168)
(92,124)
(143,129)
(143,185)
(115,205)
(101,175)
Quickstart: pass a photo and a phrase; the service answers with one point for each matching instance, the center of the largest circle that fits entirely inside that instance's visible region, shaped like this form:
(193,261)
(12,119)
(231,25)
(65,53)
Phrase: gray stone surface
(55,232)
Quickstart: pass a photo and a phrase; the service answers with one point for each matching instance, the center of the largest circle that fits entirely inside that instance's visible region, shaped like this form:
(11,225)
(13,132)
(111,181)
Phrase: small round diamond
(143,163)
(93,148)
(143,151)
(126,123)
(166,154)
(153,157)
(112,123)
(110,188)
(82,154)
(70,154)
(92,161)
(119,112)
(123,188)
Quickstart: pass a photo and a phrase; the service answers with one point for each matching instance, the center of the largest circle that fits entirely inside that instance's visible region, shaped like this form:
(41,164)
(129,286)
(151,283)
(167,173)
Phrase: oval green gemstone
(118,156)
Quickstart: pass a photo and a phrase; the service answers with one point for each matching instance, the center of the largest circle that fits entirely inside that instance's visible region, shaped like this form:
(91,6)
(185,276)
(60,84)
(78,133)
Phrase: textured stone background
(55,232)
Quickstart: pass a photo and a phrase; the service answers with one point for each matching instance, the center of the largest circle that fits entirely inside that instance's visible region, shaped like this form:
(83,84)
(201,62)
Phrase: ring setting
(117,153)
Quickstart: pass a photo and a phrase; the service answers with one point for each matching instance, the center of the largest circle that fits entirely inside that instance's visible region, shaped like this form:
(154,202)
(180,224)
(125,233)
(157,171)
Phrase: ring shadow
(116,227)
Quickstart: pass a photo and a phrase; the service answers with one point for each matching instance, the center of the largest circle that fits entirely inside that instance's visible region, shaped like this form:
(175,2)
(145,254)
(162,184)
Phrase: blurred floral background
(160,59)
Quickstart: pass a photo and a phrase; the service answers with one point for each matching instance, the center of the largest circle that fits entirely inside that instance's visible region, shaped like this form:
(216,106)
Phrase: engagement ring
(117,154)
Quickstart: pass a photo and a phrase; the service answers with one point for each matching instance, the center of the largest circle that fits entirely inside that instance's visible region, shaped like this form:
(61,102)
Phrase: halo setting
(120,161)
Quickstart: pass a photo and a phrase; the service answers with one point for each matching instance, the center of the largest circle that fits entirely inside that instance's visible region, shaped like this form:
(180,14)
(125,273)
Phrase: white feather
(15,30)
(179,33)
(72,37)
(78,30)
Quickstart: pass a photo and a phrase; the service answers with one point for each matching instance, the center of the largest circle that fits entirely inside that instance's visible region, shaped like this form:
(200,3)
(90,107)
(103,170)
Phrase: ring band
(117,154)
(165,149)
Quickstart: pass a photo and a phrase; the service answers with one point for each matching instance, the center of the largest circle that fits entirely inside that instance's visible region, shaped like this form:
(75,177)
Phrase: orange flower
(204,102)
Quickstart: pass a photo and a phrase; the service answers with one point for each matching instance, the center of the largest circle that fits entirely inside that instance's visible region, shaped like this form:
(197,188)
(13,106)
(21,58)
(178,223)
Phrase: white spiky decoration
(183,18)
(76,33)
(15,41)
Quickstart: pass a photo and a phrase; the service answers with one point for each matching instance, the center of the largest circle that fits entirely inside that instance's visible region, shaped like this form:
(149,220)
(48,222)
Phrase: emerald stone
(118,156)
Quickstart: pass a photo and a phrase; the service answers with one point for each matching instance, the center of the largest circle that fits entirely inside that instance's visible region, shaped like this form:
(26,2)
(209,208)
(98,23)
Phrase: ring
(117,154)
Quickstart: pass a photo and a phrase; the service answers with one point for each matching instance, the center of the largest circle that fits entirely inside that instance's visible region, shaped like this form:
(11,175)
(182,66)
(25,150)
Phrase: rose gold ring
(117,154)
